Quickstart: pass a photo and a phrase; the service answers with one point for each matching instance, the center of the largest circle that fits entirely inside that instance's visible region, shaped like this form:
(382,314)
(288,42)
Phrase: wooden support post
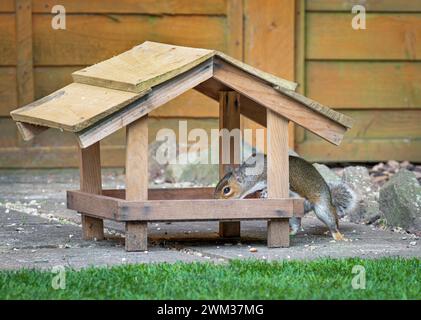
(24,59)
(90,181)
(137,180)
(229,118)
(277,175)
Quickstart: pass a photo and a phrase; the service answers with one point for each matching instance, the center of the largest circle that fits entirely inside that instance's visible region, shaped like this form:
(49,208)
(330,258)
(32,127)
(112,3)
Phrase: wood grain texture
(380,124)
(154,7)
(90,182)
(190,104)
(8,47)
(120,33)
(137,160)
(365,85)
(370,5)
(137,180)
(300,43)
(269,36)
(387,37)
(277,175)
(7,6)
(142,67)
(229,118)
(362,150)
(167,193)
(24,60)
(152,63)
(181,210)
(97,206)
(279,103)
(160,95)
(300,59)
(249,108)
(235,28)
(277,157)
(50,79)
(8,91)
(270,41)
(187,210)
(74,107)
(8,137)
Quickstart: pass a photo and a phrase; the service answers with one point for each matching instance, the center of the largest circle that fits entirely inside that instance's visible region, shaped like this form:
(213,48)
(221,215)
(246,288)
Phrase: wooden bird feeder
(120,92)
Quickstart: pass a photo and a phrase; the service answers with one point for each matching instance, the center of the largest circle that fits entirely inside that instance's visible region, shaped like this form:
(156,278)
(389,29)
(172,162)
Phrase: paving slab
(37,231)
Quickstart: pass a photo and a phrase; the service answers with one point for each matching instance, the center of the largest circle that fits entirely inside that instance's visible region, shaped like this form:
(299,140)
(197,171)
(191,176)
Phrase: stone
(400,201)
(327,174)
(358,178)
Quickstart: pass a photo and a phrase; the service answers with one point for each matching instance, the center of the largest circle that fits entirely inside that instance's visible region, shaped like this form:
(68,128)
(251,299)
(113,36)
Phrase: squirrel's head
(228,187)
(244,180)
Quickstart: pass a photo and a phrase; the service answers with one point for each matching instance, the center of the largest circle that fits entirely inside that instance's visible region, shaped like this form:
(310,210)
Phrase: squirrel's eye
(226,190)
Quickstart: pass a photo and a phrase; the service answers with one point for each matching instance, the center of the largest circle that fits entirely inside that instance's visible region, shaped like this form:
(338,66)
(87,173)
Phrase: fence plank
(364,150)
(270,41)
(82,44)
(382,124)
(209,7)
(24,63)
(7,6)
(370,5)
(365,84)
(235,28)
(8,39)
(8,91)
(388,36)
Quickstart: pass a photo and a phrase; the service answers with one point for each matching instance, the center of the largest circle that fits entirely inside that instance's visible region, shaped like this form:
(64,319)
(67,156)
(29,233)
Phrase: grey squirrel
(329,202)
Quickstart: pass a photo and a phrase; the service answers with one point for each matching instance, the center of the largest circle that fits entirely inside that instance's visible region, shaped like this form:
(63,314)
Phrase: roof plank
(137,109)
(152,63)
(142,67)
(110,95)
(296,111)
(74,107)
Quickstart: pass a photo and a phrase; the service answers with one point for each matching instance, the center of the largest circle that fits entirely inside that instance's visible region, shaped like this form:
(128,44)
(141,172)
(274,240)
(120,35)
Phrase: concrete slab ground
(37,231)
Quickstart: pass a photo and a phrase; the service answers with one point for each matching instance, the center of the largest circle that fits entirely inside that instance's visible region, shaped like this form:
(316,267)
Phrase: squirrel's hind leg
(294,225)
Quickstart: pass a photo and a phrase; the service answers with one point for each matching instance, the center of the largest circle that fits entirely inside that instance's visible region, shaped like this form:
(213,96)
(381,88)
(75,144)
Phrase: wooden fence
(373,74)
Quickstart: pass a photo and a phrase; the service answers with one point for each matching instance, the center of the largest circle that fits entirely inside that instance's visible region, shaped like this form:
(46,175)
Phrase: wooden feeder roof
(111,94)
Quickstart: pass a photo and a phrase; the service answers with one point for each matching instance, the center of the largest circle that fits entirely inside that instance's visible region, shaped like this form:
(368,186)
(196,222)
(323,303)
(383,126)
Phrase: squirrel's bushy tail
(343,198)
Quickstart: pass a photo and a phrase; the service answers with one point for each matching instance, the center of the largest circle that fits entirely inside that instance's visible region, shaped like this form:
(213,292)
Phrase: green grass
(319,279)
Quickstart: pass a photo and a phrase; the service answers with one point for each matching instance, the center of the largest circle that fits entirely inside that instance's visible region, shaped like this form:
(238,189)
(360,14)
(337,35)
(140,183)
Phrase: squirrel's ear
(238,174)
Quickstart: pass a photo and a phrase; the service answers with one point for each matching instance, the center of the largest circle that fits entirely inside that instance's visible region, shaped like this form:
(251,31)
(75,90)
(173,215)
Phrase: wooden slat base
(183,210)
(196,204)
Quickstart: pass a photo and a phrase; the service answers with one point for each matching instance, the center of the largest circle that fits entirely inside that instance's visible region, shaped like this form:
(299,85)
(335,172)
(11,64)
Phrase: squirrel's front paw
(339,236)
